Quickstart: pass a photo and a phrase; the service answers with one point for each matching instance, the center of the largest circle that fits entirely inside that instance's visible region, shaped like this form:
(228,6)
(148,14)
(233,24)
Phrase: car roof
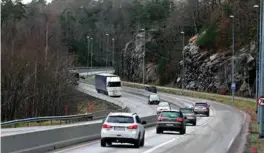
(186,108)
(121,114)
(177,111)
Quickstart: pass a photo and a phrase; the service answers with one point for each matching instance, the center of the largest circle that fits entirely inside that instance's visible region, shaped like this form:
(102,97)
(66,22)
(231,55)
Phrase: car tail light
(179,119)
(106,126)
(133,127)
(160,118)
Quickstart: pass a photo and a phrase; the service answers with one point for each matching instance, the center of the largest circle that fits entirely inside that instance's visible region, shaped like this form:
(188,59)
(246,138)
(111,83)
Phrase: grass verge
(243,104)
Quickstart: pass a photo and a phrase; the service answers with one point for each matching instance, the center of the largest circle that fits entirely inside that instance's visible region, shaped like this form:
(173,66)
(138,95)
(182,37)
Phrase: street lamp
(144,52)
(233,86)
(87,37)
(91,52)
(257,57)
(106,63)
(113,52)
(183,59)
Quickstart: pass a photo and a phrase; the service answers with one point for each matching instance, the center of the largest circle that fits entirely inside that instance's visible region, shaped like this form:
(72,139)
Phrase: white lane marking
(231,142)
(76,147)
(163,144)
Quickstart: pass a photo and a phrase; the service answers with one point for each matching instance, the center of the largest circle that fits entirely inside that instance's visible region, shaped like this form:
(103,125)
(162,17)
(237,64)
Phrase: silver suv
(122,127)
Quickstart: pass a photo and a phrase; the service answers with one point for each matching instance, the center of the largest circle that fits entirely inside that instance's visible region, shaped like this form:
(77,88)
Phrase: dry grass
(243,104)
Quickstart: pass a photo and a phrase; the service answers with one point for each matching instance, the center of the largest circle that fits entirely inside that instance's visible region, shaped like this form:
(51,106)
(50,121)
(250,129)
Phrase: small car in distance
(151,89)
(171,121)
(190,115)
(123,127)
(202,108)
(163,106)
(153,99)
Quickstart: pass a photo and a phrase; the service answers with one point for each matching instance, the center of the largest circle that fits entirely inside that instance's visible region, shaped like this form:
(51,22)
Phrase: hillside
(40,42)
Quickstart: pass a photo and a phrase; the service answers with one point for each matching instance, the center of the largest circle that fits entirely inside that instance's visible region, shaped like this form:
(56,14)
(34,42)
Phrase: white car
(123,127)
(163,106)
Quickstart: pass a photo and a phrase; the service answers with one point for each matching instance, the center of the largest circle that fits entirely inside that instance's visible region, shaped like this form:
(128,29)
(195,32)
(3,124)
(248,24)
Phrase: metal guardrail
(50,118)
(67,118)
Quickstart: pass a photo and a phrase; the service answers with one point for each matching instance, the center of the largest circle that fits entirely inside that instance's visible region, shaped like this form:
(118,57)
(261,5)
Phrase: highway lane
(136,103)
(212,134)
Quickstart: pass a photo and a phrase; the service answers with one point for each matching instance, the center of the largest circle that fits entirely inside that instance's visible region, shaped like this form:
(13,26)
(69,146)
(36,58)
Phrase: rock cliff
(206,70)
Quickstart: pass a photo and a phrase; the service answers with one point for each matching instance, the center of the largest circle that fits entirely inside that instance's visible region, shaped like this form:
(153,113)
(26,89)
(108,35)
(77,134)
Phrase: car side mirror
(185,117)
(143,122)
(208,105)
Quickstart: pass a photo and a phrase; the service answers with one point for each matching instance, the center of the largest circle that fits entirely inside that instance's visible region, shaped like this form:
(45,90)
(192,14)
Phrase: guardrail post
(51,122)
(28,124)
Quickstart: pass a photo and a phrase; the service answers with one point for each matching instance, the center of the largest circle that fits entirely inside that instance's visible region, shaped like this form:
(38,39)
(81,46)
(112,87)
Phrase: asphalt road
(213,134)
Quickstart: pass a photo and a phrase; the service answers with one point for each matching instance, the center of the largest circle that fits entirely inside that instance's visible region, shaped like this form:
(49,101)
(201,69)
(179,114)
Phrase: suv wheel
(103,143)
(208,114)
(109,143)
(194,123)
(183,131)
(142,141)
(158,131)
(137,142)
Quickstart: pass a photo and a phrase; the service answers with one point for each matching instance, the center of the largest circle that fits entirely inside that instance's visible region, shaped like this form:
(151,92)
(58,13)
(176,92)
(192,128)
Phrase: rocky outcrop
(133,61)
(210,71)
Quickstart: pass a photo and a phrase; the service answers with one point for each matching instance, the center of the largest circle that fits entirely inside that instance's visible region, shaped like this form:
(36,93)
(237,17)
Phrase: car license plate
(169,124)
(119,128)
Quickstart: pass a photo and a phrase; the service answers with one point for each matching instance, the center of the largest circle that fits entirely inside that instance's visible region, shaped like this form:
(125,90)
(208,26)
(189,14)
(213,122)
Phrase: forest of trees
(41,42)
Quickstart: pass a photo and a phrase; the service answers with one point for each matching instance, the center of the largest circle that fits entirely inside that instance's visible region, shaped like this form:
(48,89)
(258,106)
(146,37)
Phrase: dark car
(151,89)
(190,115)
(171,121)
(153,99)
(202,108)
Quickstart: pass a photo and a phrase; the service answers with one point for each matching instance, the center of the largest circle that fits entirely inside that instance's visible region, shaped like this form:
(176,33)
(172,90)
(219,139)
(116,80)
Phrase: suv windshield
(171,114)
(163,104)
(120,119)
(154,97)
(186,110)
(114,84)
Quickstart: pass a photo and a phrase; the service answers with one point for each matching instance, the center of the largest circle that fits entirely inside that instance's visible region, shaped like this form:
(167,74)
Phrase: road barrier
(48,140)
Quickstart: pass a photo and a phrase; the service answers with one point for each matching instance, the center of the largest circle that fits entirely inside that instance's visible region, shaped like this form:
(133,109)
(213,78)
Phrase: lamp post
(233,86)
(107,49)
(144,52)
(257,57)
(183,59)
(261,70)
(87,37)
(91,52)
(113,52)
